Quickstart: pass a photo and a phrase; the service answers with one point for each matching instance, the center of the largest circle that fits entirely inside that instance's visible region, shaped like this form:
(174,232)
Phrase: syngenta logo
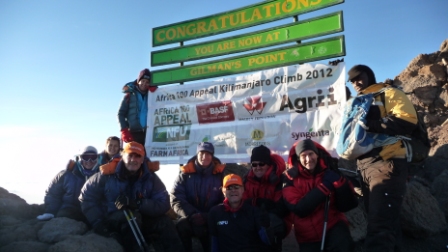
(254,103)
(310,134)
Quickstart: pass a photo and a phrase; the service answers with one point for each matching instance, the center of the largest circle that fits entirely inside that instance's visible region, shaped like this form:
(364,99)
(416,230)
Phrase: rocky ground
(424,213)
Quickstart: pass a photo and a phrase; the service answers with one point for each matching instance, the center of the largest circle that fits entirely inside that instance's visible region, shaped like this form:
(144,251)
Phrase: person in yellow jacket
(384,170)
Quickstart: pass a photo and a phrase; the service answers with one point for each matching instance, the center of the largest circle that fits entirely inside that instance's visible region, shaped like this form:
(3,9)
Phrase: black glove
(198,219)
(102,228)
(123,201)
(265,220)
(329,178)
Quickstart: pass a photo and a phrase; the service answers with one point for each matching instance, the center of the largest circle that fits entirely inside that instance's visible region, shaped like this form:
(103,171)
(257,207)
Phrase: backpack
(354,140)
(418,145)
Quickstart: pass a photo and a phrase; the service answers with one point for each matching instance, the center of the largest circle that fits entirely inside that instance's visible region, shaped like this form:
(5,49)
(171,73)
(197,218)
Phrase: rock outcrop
(425,207)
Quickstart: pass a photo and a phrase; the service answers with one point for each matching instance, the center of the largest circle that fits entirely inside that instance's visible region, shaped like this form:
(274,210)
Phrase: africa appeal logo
(254,103)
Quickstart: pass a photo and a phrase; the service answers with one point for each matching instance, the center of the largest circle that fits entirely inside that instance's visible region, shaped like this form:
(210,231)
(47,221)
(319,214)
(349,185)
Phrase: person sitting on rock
(61,197)
(129,185)
(316,194)
(196,189)
(111,151)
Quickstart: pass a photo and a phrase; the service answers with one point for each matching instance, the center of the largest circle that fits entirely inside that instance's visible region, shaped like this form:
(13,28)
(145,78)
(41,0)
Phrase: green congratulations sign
(301,53)
(305,29)
(251,15)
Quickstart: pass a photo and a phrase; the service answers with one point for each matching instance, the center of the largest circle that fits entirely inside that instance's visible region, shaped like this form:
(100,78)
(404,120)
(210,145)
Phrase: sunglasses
(258,164)
(89,157)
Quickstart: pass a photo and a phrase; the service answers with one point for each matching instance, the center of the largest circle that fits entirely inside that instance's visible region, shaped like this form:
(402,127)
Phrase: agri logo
(254,103)
(257,134)
(310,134)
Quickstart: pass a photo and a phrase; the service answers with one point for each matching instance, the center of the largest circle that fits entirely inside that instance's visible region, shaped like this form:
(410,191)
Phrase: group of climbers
(254,212)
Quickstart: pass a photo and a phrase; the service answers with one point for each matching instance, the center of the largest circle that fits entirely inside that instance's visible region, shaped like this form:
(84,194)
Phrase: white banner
(274,108)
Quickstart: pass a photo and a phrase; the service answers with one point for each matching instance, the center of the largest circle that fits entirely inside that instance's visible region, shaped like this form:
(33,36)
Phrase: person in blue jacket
(129,183)
(133,111)
(111,151)
(61,197)
(196,190)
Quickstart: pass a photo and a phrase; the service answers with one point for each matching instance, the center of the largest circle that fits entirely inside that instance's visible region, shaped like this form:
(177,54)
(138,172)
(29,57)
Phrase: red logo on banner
(215,112)
(254,103)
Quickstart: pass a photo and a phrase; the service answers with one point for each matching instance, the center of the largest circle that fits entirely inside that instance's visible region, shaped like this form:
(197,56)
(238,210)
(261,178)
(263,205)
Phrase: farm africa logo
(254,103)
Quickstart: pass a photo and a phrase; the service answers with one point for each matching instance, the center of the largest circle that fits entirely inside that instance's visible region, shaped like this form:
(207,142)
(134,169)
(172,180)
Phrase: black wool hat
(356,70)
(304,145)
(261,154)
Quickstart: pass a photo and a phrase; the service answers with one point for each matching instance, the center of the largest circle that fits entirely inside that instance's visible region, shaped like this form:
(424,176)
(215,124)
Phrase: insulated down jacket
(196,190)
(305,196)
(100,192)
(65,187)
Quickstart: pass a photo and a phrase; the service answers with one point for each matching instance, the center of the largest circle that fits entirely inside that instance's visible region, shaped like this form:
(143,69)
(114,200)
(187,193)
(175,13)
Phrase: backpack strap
(71,164)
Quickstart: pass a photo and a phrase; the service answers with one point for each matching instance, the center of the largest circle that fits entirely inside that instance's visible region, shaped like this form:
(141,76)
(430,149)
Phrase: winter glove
(265,220)
(329,178)
(198,219)
(102,228)
(45,216)
(123,202)
(126,135)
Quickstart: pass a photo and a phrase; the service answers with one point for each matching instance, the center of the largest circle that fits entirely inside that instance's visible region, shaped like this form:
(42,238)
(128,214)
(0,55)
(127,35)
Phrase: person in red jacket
(263,188)
(309,185)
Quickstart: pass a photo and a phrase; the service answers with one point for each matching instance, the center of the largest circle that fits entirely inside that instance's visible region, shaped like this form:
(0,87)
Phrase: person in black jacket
(61,197)
(236,225)
(196,190)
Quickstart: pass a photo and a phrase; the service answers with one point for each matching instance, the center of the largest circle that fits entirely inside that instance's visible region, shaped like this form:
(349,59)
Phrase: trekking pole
(324,232)
(142,238)
(132,222)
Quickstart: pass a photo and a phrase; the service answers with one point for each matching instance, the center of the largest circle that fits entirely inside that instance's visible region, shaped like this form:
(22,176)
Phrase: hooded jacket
(196,189)
(129,112)
(392,114)
(100,192)
(268,187)
(305,197)
(65,188)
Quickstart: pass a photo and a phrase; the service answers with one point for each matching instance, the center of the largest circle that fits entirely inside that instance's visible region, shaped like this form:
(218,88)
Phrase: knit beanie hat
(304,145)
(262,154)
(144,74)
(206,146)
(357,70)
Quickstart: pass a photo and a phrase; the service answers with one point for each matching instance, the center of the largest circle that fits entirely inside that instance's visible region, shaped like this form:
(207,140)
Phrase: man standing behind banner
(133,111)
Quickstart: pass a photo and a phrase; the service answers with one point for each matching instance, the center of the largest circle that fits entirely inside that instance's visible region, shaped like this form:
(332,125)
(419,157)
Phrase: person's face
(234,193)
(112,147)
(132,161)
(143,84)
(360,82)
(88,161)
(308,159)
(259,168)
(204,158)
